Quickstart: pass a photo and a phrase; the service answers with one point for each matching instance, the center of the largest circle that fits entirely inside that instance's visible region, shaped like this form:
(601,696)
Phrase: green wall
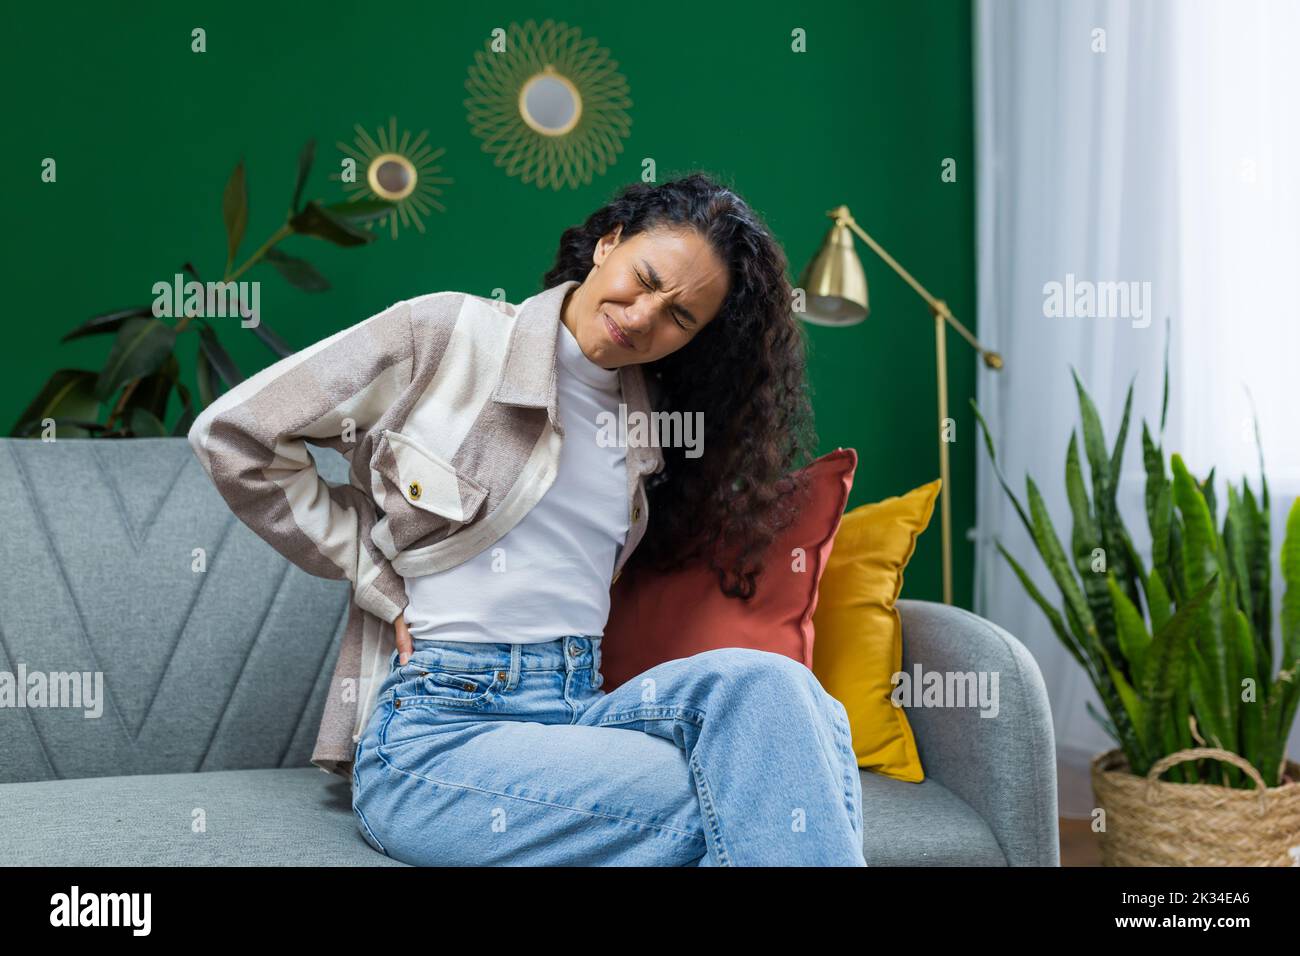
(146,132)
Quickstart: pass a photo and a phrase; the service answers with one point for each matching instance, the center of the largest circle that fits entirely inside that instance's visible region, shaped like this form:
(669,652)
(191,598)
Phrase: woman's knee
(752,665)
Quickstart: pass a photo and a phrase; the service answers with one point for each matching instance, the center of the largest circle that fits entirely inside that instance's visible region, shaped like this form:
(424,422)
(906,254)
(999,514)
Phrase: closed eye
(651,288)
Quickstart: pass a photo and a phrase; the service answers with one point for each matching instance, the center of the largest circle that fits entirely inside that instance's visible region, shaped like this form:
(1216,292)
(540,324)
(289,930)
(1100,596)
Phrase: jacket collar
(528,373)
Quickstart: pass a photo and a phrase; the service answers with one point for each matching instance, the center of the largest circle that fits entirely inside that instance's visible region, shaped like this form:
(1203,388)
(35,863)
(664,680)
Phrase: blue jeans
(510,754)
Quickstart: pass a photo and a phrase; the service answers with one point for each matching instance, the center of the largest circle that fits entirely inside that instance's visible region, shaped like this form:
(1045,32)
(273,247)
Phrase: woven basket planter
(1150,822)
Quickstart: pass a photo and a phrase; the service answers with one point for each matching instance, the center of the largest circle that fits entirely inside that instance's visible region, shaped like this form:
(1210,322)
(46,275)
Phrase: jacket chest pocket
(421,493)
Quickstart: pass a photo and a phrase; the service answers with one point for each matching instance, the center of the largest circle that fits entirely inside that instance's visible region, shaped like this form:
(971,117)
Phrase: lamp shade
(834,281)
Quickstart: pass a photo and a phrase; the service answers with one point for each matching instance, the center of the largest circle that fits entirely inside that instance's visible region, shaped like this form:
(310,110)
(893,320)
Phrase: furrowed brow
(658,284)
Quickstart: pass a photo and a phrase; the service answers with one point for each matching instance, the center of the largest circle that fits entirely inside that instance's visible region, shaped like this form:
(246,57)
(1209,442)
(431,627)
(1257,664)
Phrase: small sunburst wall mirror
(402,170)
(551,105)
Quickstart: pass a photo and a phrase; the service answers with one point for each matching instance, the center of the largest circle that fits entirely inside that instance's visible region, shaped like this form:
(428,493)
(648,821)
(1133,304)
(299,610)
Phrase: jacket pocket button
(414,489)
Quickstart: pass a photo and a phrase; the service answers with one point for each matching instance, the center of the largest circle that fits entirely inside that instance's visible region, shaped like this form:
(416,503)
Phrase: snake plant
(1181,654)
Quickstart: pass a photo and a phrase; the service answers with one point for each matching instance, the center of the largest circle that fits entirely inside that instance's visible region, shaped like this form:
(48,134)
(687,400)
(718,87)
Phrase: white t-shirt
(549,575)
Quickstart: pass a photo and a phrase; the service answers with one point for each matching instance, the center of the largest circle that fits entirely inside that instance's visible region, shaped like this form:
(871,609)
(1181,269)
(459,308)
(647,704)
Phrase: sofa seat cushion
(303,817)
(297,816)
(922,824)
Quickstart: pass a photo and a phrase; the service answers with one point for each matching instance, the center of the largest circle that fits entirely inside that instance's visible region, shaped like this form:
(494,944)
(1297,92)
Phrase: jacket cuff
(371,599)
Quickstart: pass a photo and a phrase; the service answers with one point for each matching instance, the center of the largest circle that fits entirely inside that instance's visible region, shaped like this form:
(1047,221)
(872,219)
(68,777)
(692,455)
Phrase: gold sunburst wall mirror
(403,171)
(550,104)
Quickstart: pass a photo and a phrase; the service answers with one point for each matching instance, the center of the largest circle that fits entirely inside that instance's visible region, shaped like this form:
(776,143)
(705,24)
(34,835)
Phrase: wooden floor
(1079,845)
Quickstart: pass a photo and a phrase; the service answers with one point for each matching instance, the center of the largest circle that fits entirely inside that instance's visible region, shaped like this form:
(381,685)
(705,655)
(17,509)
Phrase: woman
(489,740)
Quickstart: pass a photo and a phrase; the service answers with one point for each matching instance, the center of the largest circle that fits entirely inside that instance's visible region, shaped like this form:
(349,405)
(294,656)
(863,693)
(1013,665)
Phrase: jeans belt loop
(516,665)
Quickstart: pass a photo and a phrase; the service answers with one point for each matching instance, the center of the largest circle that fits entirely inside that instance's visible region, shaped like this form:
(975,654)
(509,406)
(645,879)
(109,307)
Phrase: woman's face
(645,297)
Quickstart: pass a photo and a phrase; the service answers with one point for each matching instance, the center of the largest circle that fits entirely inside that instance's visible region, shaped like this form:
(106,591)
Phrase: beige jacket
(445,407)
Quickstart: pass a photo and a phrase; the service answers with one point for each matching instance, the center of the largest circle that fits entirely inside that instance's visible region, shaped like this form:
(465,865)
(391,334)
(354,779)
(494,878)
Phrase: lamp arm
(937,306)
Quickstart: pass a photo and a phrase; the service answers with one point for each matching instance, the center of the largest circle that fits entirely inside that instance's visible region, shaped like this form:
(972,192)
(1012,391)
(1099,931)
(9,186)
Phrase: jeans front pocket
(444,688)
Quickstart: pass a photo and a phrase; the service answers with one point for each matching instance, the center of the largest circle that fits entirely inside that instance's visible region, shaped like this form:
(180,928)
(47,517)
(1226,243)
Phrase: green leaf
(182,426)
(1160,507)
(1103,466)
(1199,550)
(1288,683)
(1176,577)
(316,220)
(219,358)
(1211,502)
(1134,641)
(108,322)
(997,469)
(1257,543)
(208,379)
(154,391)
(1085,538)
(272,341)
(1053,554)
(141,346)
(1052,614)
(299,272)
(145,425)
(1106,724)
(1251,714)
(1137,713)
(69,393)
(361,211)
(1158,602)
(305,159)
(1235,547)
(1200,564)
(1094,442)
(1117,455)
(1166,668)
(234,210)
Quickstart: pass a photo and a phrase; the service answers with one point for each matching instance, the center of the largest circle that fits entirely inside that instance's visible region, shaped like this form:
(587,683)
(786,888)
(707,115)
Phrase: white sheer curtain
(1132,142)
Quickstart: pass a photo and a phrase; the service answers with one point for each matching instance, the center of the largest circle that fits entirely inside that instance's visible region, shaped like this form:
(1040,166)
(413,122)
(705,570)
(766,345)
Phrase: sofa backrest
(200,667)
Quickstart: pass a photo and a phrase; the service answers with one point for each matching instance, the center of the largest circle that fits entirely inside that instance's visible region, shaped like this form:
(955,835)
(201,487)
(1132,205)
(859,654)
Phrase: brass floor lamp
(836,289)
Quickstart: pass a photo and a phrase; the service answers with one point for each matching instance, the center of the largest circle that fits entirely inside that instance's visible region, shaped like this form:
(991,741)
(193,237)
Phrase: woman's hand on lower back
(405,647)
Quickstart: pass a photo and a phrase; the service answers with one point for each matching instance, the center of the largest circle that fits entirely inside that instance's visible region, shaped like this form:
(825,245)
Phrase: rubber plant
(141,370)
(1183,652)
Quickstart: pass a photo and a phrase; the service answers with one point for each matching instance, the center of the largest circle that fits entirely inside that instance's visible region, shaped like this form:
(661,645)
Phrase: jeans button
(574,650)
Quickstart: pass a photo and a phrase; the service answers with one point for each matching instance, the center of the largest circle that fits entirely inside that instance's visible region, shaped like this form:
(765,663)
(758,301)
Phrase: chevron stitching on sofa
(36,730)
(137,538)
(139,535)
(243,665)
(30,491)
(180,634)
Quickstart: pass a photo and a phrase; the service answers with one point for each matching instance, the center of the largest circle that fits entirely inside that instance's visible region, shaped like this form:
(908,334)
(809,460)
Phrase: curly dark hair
(745,369)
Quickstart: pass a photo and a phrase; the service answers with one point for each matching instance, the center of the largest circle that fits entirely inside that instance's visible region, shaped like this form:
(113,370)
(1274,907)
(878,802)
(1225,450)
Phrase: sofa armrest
(1003,766)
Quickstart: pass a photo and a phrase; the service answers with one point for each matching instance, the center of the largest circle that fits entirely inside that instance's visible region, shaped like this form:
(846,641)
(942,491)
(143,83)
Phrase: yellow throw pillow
(858,644)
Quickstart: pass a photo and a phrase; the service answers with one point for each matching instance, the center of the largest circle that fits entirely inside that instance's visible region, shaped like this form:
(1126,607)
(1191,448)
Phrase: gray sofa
(214,683)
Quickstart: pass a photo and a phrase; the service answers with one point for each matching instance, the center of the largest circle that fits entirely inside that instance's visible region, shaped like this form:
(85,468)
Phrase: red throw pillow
(660,617)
